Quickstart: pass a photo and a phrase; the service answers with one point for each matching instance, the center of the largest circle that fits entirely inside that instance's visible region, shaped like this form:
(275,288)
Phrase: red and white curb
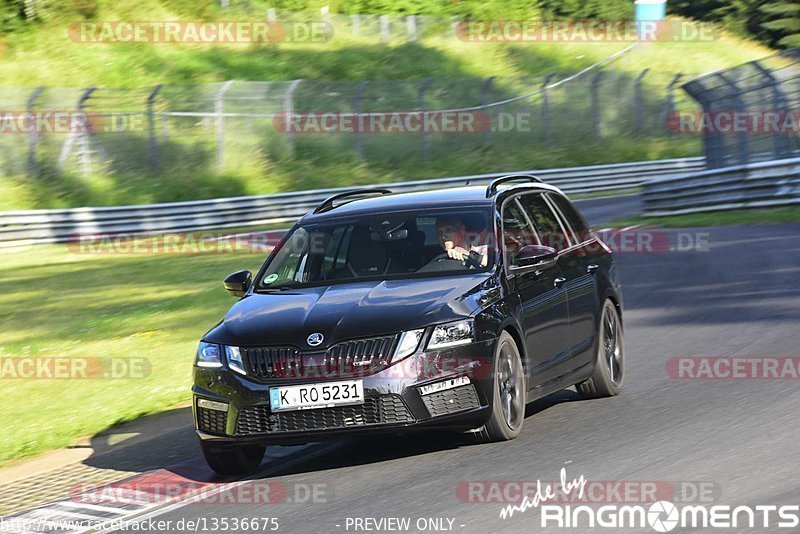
(97,510)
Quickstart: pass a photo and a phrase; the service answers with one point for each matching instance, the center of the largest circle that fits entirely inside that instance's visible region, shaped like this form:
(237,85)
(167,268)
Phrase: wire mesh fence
(750,112)
(221,128)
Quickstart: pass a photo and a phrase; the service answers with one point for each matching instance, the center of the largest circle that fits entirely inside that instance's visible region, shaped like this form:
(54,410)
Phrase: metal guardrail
(766,184)
(62,225)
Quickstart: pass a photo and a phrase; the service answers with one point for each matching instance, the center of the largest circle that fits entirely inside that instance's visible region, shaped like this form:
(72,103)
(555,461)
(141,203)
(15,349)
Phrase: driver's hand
(457,253)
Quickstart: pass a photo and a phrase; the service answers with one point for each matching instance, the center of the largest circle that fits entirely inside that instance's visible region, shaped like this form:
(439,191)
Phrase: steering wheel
(468,259)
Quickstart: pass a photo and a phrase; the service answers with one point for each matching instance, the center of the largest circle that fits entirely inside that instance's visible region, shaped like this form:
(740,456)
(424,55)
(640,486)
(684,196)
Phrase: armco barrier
(53,226)
(756,185)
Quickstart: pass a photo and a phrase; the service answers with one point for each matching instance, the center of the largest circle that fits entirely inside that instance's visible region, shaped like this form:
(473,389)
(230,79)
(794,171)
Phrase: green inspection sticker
(271,278)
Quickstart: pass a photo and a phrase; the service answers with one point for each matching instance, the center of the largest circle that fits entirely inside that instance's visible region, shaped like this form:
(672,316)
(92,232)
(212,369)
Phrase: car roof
(458,197)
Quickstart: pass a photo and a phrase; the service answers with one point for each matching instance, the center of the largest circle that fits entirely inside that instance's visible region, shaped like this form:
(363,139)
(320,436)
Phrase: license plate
(310,396)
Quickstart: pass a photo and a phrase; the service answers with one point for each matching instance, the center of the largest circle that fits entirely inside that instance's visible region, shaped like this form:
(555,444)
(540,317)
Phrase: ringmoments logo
(660,516)
(664,516)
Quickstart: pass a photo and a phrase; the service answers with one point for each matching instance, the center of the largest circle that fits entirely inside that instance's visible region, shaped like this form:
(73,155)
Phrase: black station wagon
(382,312)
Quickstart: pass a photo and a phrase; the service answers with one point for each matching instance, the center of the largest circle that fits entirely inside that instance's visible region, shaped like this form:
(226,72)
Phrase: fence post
(152,144)
(638,101)
(421,105)
(669,103)
(546,133)
(288,110)
(384,24)
(81,136)
(487,85)
(596,105)
(325,13)
(84,142)
(780,144)
(33,136)
(219,110)
(741,138)
(411,27)
(355,23)
(713,144)
(454,22)
(357,116)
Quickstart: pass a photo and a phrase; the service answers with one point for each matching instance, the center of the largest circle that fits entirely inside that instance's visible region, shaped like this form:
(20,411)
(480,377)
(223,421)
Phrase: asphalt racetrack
(685,429)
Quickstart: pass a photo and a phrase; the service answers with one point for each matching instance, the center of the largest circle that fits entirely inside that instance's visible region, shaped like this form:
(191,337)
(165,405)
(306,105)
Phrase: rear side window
(572,216)
(545,221)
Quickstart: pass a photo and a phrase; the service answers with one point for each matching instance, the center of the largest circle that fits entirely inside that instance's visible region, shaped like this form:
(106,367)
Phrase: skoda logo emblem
(315,339)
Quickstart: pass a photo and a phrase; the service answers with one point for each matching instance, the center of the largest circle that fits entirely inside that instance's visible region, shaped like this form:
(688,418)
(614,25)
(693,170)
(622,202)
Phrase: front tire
(232,458)
(609,367)
(509,393)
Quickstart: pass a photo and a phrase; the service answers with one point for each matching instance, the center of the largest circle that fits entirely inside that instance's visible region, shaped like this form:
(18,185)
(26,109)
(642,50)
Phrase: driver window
(545,221)
(517,231)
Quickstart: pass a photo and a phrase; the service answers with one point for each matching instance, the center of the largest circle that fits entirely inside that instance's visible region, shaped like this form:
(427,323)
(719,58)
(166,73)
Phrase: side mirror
(530,255)
(238,283)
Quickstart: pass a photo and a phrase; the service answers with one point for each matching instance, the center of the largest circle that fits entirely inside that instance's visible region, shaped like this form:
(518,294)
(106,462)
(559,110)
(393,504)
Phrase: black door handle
(592,268)
(558,282)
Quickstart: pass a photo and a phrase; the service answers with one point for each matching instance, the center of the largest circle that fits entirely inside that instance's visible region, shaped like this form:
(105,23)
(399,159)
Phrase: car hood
(347,311)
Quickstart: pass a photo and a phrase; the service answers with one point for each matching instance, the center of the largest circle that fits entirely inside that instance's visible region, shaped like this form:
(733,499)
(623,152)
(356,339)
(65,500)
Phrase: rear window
(576,221)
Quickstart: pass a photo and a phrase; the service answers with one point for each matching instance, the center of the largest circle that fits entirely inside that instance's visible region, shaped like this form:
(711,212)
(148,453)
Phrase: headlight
(452,334)
(208,355)
(409,341)
(234,359)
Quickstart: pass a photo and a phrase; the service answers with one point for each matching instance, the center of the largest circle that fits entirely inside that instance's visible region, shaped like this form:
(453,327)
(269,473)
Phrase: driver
(452,236)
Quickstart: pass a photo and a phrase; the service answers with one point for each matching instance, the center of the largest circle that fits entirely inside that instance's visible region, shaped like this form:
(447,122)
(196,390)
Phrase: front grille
(272,362)
(357,356)
(212,421)
(382,410)
(451,400)
(349,356)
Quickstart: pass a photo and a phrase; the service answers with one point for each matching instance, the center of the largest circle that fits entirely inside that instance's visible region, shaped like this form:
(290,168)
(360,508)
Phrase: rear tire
(609,368)
(509,394)
(232,458)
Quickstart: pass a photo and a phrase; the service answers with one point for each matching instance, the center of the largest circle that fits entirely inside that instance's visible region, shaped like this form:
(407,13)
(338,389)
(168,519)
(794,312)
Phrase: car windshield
(382,246)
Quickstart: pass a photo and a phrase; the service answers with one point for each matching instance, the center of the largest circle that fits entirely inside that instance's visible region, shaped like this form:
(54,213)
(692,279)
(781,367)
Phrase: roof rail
(327,205)
(492,189)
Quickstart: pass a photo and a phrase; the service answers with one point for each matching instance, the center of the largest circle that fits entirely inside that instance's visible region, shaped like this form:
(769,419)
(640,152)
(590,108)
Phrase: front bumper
(392,401)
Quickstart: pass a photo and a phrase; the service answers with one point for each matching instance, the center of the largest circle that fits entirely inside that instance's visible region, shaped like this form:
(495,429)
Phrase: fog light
(444,385)
(212,405)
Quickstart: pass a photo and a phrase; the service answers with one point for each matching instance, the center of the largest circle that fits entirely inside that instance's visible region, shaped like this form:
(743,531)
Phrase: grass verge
(57,302)
(716,218)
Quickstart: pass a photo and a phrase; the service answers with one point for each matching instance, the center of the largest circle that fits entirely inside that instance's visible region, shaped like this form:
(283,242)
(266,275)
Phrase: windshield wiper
(277,288)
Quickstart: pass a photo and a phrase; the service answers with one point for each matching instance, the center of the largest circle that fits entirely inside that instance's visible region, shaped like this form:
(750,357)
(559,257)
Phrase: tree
(742,17)
(783,22)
